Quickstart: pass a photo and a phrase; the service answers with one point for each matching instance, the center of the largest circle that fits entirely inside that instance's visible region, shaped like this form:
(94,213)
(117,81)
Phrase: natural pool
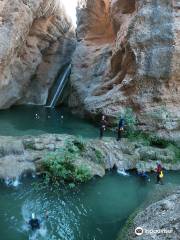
(93,211)
(34,120)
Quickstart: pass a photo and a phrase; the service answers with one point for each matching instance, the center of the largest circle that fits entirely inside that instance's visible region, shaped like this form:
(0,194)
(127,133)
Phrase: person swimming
(144,176)
(34,222)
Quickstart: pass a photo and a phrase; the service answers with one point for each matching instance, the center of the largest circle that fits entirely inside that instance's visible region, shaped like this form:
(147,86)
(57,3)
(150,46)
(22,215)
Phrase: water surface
(34,120)
(93,211)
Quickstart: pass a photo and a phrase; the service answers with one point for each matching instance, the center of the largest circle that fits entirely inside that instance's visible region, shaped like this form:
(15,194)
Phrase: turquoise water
(33,120)
(93,211)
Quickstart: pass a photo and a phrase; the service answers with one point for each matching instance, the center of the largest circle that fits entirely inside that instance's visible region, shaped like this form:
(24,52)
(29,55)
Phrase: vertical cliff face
(36,39)
(91,61)
(132,61)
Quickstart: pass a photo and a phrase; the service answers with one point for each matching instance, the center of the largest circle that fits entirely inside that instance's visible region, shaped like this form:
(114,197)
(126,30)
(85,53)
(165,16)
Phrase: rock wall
(36,39)
(21,154)
(163,215)
(127,57)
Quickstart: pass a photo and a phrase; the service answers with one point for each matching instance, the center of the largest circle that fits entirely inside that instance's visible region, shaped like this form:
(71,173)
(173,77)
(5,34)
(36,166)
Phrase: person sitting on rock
(103,124)
(120,128)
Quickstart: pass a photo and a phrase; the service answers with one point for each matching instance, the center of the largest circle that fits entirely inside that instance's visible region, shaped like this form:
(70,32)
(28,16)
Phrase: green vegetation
(130,121)
(99,156)
(60,165)
(147,139)
(80,143)
(154,141)
(176,150)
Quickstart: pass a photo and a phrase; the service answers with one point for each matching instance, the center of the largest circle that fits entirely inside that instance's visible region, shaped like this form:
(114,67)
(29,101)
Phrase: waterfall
(122,172)
(61,83)
(14,182)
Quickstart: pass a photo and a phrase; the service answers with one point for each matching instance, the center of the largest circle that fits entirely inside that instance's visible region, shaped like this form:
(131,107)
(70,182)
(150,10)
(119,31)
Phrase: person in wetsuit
(158,172)
(34,222)
(120,128)
(102,126)
(144,176)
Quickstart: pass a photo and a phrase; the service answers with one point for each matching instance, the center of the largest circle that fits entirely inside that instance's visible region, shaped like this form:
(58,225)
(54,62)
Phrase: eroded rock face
(22,154)
(163,215)
(132,63)
(36,40)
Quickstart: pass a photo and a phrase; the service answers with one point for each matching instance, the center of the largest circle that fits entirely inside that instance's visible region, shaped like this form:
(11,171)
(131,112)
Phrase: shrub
(60,165)
(80,144)
(176,150)
(130,122)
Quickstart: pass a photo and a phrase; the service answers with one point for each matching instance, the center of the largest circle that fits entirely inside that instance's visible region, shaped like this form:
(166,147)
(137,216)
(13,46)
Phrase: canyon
(127,57)
(36,40)
(124,60)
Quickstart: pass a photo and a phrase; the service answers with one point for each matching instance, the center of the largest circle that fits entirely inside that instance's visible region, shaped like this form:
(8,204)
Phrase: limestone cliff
(128,56)
(22,154)
(160,220)
(36,40)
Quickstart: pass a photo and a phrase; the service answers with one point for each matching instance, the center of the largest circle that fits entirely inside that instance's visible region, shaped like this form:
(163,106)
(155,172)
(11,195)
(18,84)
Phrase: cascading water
(14,182)
(122,172)
(61,83)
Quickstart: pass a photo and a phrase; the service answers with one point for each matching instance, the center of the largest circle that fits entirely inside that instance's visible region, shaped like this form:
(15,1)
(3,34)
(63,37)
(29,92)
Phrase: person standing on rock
(120,128)
(103,124)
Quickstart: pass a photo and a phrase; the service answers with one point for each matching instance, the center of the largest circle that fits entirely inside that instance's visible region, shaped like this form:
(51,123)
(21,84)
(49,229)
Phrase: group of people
(159,174)
(103,127)
(121,125)
(35,223)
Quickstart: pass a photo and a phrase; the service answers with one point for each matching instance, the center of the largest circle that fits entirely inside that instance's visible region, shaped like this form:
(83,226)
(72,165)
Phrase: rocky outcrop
(22,154)
(160,220)
(127,57)
(36,40)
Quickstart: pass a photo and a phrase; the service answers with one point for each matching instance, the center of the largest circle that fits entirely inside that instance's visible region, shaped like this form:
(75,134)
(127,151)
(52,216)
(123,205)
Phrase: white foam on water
(14,182)
(26,211)
(123,172)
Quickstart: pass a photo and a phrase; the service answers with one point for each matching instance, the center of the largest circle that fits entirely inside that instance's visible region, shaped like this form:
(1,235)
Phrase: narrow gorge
(89,110)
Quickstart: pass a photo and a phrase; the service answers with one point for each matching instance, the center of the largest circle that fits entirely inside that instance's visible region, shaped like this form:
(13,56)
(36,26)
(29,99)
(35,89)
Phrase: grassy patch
(60,165)
(80,144)
(176,150)
(146,139)
(99,156)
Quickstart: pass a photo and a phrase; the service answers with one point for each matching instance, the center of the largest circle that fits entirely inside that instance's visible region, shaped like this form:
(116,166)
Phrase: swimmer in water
(34,222)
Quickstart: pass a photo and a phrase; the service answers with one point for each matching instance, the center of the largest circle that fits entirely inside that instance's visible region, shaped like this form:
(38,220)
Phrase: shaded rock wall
(132,63)
(36,39)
